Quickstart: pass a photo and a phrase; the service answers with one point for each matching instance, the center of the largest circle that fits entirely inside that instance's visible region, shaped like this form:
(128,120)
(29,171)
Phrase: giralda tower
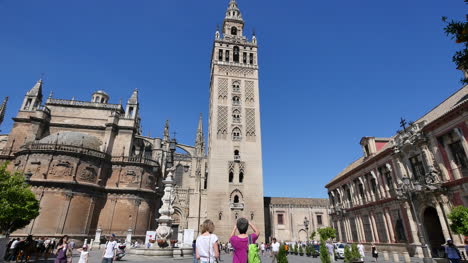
(235,176)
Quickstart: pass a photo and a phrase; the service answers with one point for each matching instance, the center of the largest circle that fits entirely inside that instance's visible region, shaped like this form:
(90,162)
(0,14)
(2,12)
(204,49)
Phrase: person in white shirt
(262,248)
(84,254)
(361,251)
(274,249)
(207,243)
(109,252)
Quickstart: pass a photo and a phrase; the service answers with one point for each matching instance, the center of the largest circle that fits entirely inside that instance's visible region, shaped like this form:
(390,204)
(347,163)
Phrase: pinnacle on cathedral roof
(3,109)
(134,98)
(36,90)
(233,12)
(199,140)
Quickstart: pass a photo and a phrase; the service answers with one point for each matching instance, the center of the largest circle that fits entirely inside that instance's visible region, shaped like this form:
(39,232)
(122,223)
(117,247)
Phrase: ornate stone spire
(134,98)
(36,91)
(200,140)
(3,109)
(233,12)
(166,131)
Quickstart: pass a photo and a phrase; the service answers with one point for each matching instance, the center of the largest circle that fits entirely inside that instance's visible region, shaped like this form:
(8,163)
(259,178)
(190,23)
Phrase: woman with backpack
(207,243)
(241,242)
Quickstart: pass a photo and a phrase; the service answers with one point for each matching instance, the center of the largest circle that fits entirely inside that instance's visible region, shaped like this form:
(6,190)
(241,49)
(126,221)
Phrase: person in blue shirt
(452,252)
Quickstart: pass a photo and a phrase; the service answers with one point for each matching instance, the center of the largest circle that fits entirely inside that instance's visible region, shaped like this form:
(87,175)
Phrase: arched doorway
(302,235)
(434,234)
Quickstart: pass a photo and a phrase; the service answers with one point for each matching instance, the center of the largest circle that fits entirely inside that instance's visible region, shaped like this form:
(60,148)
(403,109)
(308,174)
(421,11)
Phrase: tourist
(84,254)
(452,252)
(262,248)
(240,242)
(194,251)
(274,250)
(466,248)
(331,250)
(375,253)
(110,250)
(207,243)
(361,251)
(63,251)
(49,246)
(14,249)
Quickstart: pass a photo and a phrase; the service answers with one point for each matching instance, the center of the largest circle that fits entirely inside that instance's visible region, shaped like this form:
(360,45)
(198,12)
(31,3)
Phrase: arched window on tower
(236,100)
(236,199)
(236,134)
(241,177)
(234,31)
(236,86)
(236,116)
(231,176)
(235,55)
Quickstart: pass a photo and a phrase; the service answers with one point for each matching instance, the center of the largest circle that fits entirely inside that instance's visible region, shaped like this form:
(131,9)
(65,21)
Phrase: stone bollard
(90,247)
(385,256)
(406,257)
(128,240)
(85,242)
(396,257)
(97,238)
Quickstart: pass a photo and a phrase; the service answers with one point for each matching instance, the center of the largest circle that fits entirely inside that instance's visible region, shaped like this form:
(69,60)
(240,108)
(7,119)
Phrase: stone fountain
(162,247)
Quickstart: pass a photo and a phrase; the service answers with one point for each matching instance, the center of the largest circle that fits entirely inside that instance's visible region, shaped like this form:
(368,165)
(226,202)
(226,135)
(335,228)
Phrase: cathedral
(91,167)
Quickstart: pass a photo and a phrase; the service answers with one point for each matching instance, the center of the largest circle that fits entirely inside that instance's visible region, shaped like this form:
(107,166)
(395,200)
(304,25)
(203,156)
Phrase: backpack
(252,252)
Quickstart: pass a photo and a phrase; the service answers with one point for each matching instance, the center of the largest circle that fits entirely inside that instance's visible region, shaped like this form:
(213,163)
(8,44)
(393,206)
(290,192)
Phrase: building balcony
(237,206)
(134,160)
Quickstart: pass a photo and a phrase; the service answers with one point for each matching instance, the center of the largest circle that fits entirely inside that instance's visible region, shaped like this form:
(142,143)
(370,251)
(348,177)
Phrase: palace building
(416,176)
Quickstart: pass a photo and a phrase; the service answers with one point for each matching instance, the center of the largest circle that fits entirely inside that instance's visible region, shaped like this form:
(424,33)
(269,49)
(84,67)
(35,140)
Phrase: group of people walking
(18,250)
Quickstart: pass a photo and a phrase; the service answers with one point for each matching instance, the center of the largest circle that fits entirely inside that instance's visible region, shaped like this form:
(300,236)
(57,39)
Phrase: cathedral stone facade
(92,169)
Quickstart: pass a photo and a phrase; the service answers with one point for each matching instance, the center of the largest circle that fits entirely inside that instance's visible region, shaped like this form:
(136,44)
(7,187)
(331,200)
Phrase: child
(84,254)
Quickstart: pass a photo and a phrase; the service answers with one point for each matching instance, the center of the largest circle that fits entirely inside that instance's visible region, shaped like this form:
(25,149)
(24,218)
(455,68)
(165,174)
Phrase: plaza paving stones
(96,257)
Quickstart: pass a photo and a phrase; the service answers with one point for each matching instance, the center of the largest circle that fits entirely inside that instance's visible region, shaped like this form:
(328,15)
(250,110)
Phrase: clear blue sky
(331,71)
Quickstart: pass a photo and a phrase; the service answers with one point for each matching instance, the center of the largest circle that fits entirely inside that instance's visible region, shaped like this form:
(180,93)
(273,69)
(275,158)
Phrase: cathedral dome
(73,138)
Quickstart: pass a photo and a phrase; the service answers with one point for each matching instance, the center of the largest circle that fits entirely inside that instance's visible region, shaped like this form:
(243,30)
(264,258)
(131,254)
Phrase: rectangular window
(251,60)
(220,56)
(381,230)
(352,222)
(458,153)
(367,228)
(280,219)
(319,220)
(227,55)
(417,166)
(244,57)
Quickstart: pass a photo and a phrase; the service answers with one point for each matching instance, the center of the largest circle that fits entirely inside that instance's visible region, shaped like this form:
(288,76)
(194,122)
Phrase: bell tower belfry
(235,176)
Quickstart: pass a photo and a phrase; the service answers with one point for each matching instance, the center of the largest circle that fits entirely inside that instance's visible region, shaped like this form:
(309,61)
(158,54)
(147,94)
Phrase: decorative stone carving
(250,122)
(61,168)
(222,121)
(222,89)
(236,71)
(88,174)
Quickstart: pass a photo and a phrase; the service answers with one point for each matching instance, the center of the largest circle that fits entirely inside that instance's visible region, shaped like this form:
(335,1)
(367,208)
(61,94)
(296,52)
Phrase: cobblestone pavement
(96,257)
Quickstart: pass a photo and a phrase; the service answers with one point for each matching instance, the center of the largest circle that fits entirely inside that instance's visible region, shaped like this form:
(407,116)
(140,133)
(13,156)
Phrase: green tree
(18,205)
(324,256)
(458,31)
(351,254)
(326,233)
(459,218)
(312,235)
(281,256)
(301,250)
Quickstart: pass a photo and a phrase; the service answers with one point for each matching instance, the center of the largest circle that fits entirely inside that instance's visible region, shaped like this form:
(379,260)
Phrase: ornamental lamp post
(306,225)
(405,191)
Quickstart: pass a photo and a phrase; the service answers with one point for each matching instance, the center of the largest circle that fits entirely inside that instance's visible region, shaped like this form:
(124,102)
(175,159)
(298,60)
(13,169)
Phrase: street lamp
(405,191)
(306,225)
